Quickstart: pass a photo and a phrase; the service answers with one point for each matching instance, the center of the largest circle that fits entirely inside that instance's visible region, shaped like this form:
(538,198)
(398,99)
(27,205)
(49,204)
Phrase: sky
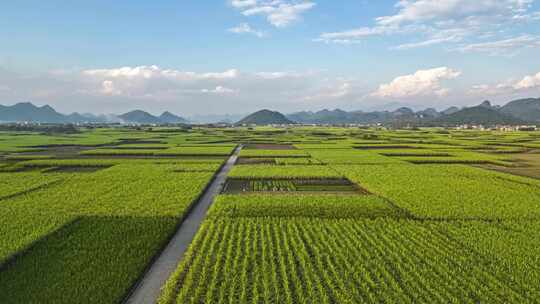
(238,56)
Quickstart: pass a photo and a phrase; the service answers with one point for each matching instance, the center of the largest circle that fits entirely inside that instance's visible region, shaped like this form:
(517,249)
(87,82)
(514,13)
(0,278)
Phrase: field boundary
(26,191)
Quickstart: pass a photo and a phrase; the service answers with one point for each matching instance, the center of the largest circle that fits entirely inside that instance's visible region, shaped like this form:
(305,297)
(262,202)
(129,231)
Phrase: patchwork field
(306,215)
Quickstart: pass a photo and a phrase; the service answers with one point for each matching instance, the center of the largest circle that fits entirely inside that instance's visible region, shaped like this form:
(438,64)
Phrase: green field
(318,215)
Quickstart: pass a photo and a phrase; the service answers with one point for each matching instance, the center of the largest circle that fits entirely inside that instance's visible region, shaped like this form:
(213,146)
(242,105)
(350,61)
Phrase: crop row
(284,172)
(302,205)
(450,191)
(104,225)
(268,260)
(272,185)
(272,153)
(175,151)
(173,165)
(350,156)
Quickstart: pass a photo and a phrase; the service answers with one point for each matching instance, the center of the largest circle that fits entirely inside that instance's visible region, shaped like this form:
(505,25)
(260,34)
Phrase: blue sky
(236,56)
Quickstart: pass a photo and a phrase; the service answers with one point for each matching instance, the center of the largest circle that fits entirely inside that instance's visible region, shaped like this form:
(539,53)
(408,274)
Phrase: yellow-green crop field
(440,216)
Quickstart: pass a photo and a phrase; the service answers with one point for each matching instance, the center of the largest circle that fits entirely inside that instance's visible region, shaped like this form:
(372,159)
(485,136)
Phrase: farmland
(307,215)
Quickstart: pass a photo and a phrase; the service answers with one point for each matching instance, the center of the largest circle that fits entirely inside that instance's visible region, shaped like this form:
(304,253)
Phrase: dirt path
(149,288)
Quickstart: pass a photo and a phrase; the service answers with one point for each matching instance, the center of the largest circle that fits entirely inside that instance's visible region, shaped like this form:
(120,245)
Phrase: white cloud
(153,72)
(526,84)
(502,47)
(109,89)
(441,22)
(421,83)
(245,28)
(4,88)
(243,3)
(434,41)
(339,90)
(352,36)
(279,13)
(286,74)
(429,10)
(220,90)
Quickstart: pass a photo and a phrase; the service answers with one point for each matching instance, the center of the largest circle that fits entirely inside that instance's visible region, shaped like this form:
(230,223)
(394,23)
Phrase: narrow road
(149,288)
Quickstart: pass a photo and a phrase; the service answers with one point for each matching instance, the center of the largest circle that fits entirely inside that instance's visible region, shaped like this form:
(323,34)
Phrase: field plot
(288,261)
(235,185)
(12,184)
(307,215)
(284,172)
(525,164)
(450,191)
(65,224)
(303,205)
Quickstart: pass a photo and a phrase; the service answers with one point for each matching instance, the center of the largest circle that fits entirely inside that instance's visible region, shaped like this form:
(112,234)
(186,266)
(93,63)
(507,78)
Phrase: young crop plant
(272,153)
(18,183)
(303,205)
(284,172)
(107,225)
(350,156)
(450,191)
(305,260)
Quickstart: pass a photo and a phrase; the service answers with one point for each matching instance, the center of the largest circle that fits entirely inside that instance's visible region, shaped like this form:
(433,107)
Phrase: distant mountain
(357,117)
(524,109)
(428,113)
(139,117)
(450,110)
(168,117)
(520,111)
(85,118)
(481,114)
(265,117)
(27,112)
(486,104)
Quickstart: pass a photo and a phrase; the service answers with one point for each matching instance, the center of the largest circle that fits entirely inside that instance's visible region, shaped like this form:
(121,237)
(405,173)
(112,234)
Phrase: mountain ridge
(520,111)
(28,112)
(265,117)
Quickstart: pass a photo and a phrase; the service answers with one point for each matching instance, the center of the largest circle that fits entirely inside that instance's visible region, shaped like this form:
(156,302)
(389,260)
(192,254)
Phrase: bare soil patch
(255,161)
(239,186)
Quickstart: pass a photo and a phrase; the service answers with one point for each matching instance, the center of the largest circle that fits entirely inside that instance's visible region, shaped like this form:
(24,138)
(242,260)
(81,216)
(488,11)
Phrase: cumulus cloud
(153,71)
(279,13)
(526,84)
(245,28)
(421,83)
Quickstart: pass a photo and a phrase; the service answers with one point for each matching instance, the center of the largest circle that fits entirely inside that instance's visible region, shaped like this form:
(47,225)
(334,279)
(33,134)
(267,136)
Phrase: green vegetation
(273,153)
(284,172)
(302,205)
(326,215)
(450,191)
